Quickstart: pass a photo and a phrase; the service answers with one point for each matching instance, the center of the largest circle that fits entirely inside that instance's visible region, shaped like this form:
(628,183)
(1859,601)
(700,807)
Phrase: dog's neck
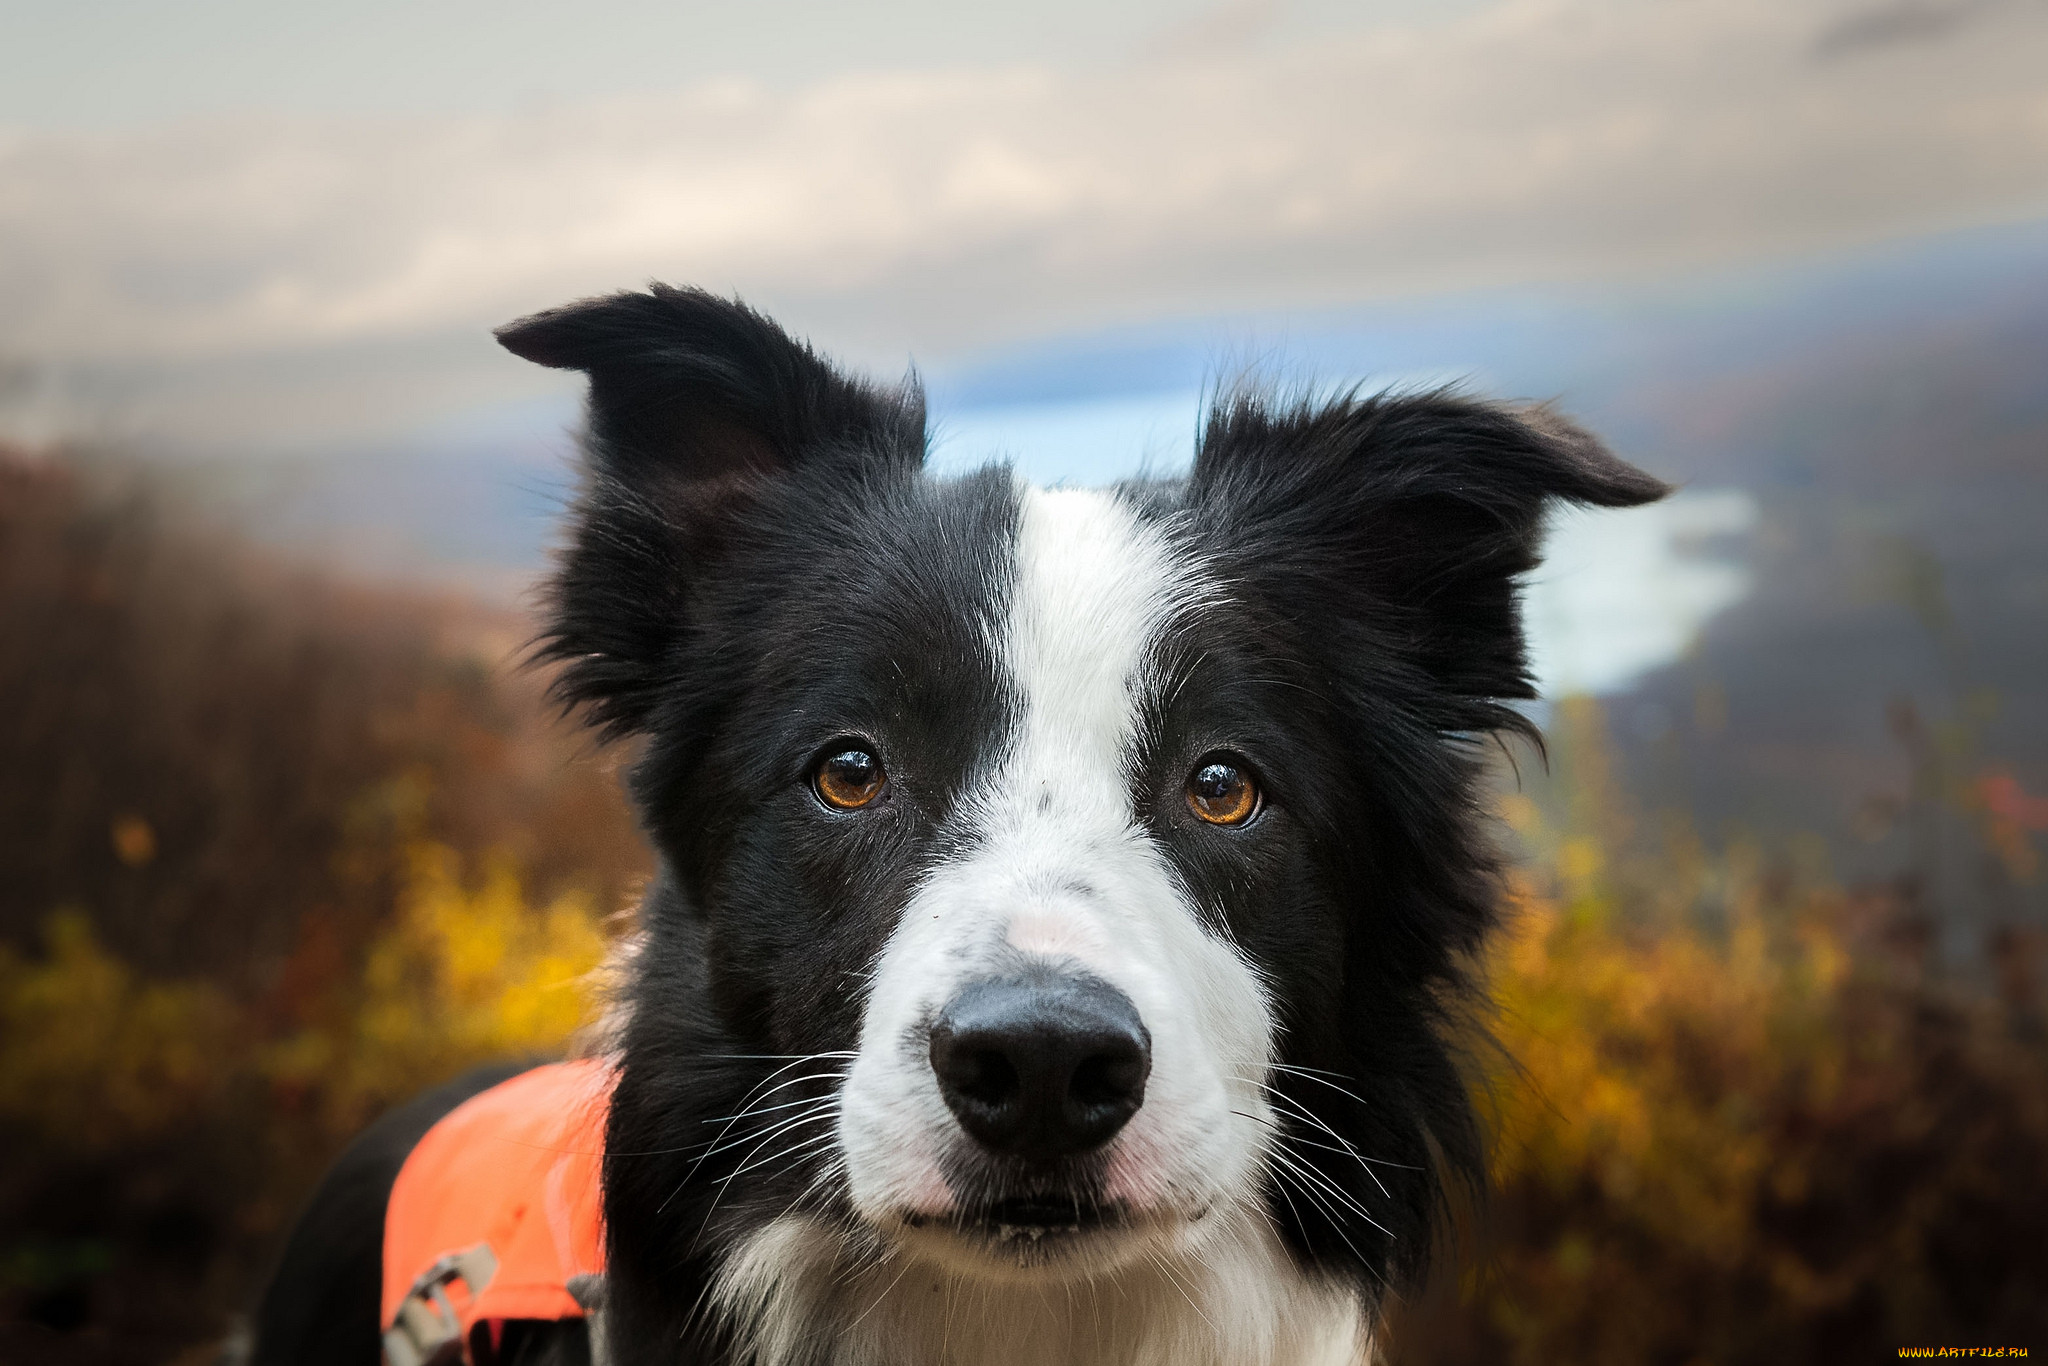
(797,1298)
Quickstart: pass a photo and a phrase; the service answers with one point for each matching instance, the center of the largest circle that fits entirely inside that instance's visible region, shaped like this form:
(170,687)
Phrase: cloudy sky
(243,223)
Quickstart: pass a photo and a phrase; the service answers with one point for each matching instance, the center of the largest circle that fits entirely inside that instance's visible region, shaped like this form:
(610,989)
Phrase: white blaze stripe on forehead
(1094,586)
(1057,864)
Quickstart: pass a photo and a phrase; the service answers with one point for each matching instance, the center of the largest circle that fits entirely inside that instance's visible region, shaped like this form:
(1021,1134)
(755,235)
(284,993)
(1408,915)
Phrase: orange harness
(496,1215)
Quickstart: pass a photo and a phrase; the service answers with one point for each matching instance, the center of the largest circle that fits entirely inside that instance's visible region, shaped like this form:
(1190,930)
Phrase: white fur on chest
(802,1299)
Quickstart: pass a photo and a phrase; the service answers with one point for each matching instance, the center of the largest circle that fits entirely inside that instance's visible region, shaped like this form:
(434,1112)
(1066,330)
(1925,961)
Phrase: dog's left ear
(700,409)
(1403,523)
(686,387)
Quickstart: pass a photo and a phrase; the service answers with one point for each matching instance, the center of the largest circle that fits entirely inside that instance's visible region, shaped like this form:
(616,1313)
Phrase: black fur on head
(1373,549)
(698,407)
(758,569)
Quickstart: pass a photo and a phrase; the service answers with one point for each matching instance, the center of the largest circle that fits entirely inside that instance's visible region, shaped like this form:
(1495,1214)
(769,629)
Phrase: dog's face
(1063,1039)
(1054,879)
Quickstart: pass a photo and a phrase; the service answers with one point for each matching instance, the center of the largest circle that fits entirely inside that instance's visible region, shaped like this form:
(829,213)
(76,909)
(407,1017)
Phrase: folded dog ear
(699,408)
(1410,518)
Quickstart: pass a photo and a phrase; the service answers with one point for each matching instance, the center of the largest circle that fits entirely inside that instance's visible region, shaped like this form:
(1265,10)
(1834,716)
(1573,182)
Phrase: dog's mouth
(1027,1219)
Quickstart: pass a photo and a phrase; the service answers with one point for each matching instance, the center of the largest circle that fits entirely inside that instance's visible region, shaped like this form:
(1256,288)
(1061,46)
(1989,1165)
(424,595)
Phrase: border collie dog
(1066,896)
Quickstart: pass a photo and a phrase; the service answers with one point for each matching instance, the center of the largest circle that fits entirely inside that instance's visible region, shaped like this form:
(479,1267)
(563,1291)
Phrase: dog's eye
(849,779)
(1221,792)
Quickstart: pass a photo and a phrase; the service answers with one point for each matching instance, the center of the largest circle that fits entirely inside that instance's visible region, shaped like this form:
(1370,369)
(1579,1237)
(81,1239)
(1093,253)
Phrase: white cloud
(1537,139)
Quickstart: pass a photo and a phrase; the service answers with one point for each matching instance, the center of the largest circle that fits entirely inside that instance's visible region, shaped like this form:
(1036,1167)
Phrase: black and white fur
(761,572)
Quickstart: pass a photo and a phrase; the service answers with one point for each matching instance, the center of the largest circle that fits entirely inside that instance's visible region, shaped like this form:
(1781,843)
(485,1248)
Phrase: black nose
(1043,1065)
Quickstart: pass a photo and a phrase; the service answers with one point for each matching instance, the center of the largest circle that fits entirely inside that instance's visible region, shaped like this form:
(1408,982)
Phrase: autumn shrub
(97,1056)
(1741,1117)
(107,1075)
(222,755)
(276,849)
(468,971)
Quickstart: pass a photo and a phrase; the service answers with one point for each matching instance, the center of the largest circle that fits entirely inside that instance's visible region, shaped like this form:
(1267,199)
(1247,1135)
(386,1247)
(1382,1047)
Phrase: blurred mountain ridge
(1893,655)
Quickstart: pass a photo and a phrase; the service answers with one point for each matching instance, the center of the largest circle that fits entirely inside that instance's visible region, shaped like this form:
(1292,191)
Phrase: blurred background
(285,833)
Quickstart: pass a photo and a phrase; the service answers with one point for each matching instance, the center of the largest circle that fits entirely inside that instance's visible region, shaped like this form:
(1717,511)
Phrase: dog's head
(1051,877)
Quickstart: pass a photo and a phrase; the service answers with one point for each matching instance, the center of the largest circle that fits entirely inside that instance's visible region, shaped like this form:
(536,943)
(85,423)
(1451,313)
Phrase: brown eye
(849,779)
(1221,793)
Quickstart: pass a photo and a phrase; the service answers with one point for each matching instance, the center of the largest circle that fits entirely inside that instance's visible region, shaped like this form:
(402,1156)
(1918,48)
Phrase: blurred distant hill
(1885,685)
(217,750)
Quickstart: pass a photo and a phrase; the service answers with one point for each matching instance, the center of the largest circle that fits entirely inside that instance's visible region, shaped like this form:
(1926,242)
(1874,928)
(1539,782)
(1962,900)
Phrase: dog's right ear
(698,407)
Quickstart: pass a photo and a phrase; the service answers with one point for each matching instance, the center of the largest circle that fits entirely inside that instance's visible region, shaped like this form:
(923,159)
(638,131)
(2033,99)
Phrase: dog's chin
(1036,1238)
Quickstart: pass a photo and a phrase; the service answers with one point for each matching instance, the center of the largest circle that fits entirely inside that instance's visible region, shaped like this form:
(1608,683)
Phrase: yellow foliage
(99,1056)
(95,1056)
(1649,1062)
(464,974)
(1735,1123)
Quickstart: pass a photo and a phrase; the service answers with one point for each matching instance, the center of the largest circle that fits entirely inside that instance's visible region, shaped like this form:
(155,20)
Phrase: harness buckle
(426,1331)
